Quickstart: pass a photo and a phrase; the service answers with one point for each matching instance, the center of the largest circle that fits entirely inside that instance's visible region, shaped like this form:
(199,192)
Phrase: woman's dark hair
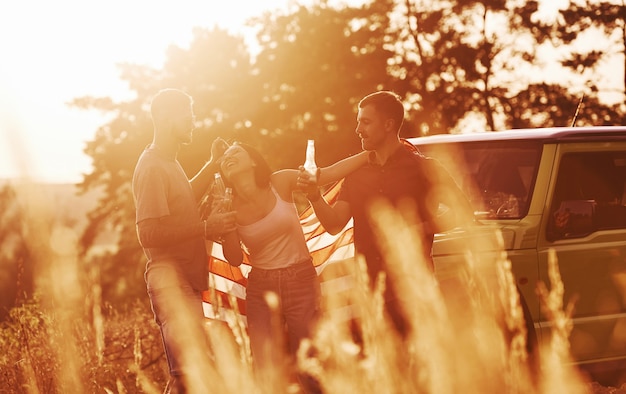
(262,170)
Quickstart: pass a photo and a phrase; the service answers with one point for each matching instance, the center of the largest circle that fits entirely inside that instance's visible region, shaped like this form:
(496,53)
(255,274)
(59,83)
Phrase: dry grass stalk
(557,371)
(472,343)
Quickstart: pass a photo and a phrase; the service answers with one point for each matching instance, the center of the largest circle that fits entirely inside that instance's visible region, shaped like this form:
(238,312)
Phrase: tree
(314,65)
(592,37)
(459,65)
(213,70)
(16,259)
(477,65)
(270,103)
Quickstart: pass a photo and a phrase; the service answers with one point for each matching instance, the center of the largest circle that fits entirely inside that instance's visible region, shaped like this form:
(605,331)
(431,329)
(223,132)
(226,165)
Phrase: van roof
(547,134)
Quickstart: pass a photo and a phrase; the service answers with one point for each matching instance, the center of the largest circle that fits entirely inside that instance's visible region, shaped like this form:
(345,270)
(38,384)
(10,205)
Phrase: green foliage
(460,65)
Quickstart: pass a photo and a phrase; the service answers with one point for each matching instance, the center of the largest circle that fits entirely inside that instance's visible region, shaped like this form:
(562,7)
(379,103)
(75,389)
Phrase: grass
(66,340)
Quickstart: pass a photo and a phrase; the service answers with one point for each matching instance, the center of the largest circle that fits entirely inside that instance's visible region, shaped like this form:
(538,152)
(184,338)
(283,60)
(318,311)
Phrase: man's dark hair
(387,103)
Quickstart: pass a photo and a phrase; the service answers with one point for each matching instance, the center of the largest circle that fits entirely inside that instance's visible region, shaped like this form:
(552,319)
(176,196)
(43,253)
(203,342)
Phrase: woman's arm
(231,246)
(286,181)
(340,169)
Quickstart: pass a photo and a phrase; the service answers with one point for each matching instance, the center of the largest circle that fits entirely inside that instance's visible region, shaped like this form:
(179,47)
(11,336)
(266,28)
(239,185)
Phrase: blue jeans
(179,314)
(297,289)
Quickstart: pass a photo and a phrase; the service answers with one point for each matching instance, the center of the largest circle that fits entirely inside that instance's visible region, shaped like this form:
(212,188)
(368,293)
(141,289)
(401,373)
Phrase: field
(66,340)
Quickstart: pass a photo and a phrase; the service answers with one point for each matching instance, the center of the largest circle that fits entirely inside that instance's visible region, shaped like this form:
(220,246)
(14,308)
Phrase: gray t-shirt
(161,189)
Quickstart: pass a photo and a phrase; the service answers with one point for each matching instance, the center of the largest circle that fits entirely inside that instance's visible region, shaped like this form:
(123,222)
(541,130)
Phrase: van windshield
(497,176)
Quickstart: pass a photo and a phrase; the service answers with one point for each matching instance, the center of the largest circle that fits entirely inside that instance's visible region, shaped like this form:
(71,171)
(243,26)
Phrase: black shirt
(406,182)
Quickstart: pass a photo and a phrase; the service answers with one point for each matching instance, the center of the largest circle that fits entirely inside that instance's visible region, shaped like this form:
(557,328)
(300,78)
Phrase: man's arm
(202,180)
(333,218)
(154,233)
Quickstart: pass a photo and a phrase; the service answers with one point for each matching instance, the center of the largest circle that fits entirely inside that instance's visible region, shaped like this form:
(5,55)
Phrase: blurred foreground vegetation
(66,338)
(73,302)
(459,66)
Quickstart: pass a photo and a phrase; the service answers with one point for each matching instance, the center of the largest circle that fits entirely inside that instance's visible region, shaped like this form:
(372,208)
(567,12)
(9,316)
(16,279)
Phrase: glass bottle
(309,164)
(221,194)
(219,189)
(228,199)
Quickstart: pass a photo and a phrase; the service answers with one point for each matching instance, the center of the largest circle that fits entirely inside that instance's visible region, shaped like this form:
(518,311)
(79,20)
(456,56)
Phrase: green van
(561,189)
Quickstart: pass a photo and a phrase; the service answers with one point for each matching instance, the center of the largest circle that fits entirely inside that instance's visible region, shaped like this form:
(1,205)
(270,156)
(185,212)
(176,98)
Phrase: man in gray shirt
(173,235)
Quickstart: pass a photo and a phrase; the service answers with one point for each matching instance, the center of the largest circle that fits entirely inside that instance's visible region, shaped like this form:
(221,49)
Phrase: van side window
(497,176)
(589,195)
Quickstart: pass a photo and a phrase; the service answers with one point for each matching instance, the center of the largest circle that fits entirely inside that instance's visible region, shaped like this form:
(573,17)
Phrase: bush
(132,356)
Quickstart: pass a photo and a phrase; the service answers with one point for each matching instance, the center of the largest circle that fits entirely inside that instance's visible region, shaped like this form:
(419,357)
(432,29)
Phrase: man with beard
(173,233)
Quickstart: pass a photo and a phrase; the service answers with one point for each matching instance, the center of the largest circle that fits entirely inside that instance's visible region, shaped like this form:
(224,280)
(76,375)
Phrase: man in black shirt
(397,176)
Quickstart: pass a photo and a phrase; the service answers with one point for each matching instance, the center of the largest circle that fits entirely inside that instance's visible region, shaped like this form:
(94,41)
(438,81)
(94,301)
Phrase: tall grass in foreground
(67,341)
(471,341)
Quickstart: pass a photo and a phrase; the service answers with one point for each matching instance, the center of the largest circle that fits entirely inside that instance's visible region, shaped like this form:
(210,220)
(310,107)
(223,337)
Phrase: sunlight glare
(548,9)
(56,51)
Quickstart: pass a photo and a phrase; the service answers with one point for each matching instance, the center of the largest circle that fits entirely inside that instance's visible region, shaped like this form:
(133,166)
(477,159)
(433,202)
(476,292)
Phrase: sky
(52,51)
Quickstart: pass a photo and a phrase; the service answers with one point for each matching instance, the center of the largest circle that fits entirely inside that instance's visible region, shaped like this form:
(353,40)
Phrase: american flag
(225,298)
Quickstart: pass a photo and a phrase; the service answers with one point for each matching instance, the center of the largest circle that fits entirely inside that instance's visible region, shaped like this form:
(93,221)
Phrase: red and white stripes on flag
(225,298)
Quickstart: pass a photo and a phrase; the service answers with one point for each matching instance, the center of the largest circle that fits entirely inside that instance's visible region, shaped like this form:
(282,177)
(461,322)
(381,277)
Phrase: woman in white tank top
(283,290)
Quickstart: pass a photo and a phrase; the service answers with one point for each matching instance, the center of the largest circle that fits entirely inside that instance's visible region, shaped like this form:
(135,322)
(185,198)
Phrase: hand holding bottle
(221,219)
(309,174)
(309,163)
(307,183)
(222,195)
(218,224)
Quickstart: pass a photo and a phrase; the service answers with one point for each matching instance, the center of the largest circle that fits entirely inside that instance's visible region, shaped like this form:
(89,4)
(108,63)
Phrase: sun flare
(54,52)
